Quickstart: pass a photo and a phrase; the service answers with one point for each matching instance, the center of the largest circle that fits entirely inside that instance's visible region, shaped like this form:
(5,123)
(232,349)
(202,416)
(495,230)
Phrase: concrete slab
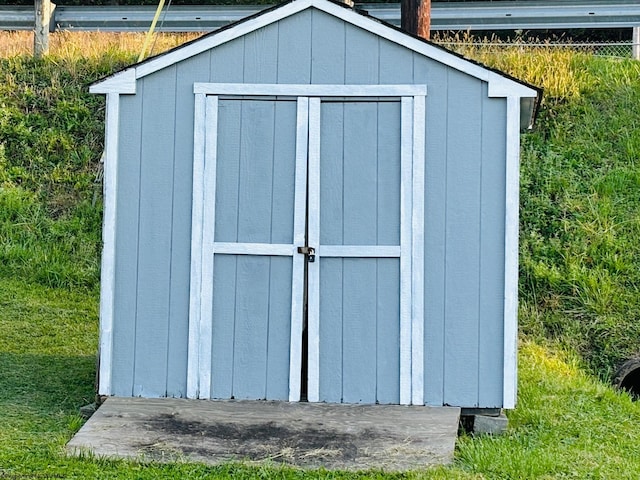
(308,435)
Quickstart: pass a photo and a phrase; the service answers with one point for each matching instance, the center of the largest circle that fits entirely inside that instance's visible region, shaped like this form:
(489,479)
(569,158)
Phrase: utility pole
(636,43)
(44,23)
(415,17)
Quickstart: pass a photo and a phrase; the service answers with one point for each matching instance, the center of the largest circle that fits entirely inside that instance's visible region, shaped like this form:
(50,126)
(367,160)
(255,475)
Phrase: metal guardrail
(484,15)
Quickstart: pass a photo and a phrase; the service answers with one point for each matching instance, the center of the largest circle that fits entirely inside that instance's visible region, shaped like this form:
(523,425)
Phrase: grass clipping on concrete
(580,268)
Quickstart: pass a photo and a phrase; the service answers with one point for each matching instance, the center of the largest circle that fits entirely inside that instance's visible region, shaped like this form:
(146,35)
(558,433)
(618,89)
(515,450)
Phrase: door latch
(310,252)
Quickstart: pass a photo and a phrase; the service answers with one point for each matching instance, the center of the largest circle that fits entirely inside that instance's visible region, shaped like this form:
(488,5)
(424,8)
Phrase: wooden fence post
(44,17)
(636,43)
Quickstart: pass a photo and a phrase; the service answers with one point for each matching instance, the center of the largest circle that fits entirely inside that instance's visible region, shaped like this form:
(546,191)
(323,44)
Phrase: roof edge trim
(499,85)
(123,82)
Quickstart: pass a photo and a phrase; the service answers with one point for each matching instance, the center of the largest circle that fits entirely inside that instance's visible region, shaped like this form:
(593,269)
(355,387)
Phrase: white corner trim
(123,85)
(123,82)
(108,261)
(417,252)
(500,86)
(511,253)
(195,288)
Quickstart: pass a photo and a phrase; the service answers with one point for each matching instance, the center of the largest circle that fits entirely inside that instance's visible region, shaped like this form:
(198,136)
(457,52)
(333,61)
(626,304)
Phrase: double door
(306,262)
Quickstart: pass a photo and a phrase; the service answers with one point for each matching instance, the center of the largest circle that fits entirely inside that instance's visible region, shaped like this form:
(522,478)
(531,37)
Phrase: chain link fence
(623,49)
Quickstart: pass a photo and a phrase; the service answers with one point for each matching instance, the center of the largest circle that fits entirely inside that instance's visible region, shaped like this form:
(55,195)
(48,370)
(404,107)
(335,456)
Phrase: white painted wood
(359,251)
(277,249)
(309,90)
(507,85)
(417,252)
(108,261)
(511,254)
(636,43)
(123,82)
(406,154)
(208,250)
(313,311)
(195,286)
(299,222)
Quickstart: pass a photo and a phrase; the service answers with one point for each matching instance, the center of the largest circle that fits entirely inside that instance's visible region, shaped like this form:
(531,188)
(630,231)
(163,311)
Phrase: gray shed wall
(464,203)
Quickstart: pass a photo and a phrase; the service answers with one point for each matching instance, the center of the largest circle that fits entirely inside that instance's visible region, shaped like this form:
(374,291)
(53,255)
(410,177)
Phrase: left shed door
(254,212)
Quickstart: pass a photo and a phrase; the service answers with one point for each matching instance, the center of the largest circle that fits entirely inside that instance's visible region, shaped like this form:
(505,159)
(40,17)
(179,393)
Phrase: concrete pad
(309,435)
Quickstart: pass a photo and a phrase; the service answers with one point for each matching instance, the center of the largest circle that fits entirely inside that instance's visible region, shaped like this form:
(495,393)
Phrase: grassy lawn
(580,270)
(567,424)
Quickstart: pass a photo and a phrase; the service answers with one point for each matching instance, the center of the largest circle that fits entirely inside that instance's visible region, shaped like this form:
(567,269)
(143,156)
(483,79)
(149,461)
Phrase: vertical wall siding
(154,248)
(490,328)
(126,269)
(464,234)
(196,67)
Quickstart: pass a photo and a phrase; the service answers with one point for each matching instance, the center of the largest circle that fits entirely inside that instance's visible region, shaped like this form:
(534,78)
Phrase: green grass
(567,423)
(580,272)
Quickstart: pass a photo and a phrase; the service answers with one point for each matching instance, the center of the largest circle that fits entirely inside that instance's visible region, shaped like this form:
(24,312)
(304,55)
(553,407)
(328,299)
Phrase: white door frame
(410,250)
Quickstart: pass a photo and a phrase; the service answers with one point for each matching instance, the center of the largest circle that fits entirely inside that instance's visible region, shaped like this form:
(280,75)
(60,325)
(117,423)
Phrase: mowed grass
(580,268)
(567,424)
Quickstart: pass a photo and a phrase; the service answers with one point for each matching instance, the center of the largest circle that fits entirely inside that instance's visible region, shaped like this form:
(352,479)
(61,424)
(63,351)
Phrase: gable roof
(500,84)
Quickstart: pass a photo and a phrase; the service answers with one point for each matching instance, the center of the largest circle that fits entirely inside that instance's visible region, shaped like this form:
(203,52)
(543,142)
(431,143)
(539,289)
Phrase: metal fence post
(636,43)
(44,17)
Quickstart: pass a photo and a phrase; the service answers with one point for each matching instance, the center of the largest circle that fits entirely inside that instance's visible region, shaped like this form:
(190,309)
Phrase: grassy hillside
(579,274)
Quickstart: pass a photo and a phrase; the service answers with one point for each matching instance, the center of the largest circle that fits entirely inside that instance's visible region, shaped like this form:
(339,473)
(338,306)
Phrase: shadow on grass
(47,383)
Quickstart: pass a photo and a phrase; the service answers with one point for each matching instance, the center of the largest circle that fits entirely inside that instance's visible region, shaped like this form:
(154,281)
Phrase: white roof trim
(499,86)
(122,82)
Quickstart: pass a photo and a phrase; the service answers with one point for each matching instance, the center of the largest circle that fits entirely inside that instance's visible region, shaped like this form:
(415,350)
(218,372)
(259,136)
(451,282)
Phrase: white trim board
(108,261)
(510,374)
(409,251)
(499,85)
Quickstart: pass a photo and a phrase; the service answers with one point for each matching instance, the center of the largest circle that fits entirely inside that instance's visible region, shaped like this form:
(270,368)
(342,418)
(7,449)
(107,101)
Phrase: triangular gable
(500,84)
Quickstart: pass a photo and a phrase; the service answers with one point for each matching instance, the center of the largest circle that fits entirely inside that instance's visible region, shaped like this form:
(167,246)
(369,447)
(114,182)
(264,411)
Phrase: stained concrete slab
(308,435)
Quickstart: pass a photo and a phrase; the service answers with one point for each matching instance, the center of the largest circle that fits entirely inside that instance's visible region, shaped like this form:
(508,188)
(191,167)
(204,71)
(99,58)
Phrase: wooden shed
(312,204)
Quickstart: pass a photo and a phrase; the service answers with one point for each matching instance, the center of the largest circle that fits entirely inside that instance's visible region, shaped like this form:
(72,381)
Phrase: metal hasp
(310,252)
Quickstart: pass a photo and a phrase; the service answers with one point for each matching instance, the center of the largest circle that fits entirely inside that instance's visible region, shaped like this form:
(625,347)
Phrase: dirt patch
(258,441)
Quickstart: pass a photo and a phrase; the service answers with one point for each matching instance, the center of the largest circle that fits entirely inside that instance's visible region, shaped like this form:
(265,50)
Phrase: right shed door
(360,197)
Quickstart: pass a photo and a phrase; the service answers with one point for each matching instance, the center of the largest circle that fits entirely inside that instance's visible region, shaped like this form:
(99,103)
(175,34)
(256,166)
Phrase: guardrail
(484,15)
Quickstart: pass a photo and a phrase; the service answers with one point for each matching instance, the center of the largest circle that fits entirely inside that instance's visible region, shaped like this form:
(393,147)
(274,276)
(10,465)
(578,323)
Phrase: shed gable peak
(124,82)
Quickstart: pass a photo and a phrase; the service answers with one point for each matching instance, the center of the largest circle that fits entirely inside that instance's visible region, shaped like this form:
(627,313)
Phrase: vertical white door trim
(193,388)
(417,253)
(313,307)
(108,261)
(299,219)
(510,373)
(208,253)
(406,155)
